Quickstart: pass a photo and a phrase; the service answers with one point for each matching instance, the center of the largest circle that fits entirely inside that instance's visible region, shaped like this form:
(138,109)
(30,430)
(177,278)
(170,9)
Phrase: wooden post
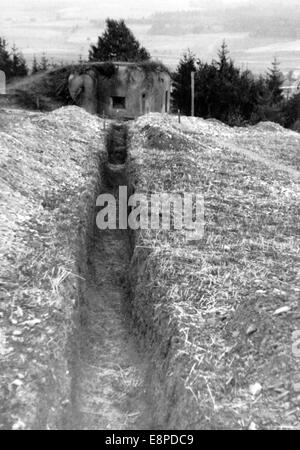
(104,124)
(2,83)
(179,116)
(192,93)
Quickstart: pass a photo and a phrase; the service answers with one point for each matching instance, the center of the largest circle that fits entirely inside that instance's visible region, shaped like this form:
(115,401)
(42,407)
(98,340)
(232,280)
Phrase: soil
(109,386)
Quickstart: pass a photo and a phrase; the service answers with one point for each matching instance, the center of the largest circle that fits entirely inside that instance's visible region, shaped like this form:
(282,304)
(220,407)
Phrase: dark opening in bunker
(119,102)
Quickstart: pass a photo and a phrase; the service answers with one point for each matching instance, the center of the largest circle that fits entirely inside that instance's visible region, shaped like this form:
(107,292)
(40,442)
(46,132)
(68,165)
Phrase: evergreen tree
(228,103)
(292,111)
(13,64)
(248,89)
(44,63)
(206,96)
(182,83)
(5,60)
(274,82)
(35,67)
(117,43)
(19,68)
(53,64)
(222,91)
(223,58)
(218,88)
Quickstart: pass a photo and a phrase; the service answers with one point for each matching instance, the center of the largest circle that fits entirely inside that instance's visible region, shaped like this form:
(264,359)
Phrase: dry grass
(49,178)
(45,90)
(206,309)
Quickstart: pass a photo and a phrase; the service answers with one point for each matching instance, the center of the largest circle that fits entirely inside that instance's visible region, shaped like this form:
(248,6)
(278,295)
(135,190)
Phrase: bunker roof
(148,66)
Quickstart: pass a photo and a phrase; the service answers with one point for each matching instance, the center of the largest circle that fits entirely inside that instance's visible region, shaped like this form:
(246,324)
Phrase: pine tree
(223,57)
(222,90)
(53,64)
(205,89)
(227,87)
(182,83)
(19,68)
(5,60)
(274,82)
(44,63)
(13,64)
(35,67)
(117,43)
(292,110)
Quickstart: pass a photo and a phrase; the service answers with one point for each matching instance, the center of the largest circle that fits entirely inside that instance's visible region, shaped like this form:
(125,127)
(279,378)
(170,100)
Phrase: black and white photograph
(149,218)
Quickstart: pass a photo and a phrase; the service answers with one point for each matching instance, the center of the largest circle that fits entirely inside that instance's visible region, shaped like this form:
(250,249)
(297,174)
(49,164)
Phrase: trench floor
(109,387)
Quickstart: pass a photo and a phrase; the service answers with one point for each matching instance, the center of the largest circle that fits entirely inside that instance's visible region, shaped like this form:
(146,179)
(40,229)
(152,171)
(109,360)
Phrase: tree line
(12,61)
(43,64)
(228,93)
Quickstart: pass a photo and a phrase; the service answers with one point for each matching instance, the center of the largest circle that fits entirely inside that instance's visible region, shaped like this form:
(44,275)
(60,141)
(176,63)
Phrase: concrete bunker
(121,90)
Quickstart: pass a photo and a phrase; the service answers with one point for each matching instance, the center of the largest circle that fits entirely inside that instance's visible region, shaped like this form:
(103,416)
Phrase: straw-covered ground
(213,317)
(49,179)
(217,315)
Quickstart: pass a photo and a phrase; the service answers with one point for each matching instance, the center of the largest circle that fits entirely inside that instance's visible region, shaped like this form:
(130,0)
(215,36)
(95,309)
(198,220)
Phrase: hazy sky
(103,8)
(114,8)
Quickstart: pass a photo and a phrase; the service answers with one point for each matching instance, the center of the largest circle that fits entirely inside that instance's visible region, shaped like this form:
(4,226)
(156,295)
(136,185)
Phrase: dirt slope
(109,386)
(48,176)
(210,311)
(67,355)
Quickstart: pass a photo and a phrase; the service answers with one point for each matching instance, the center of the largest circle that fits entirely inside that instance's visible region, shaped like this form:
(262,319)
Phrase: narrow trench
(109,388)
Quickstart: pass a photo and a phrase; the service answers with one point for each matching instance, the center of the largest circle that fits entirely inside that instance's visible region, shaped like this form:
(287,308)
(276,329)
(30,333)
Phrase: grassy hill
(44,91)
(49,168)
(209,312)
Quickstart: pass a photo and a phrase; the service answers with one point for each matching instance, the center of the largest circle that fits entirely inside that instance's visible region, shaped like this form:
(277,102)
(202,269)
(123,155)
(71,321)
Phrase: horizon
(65,29)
